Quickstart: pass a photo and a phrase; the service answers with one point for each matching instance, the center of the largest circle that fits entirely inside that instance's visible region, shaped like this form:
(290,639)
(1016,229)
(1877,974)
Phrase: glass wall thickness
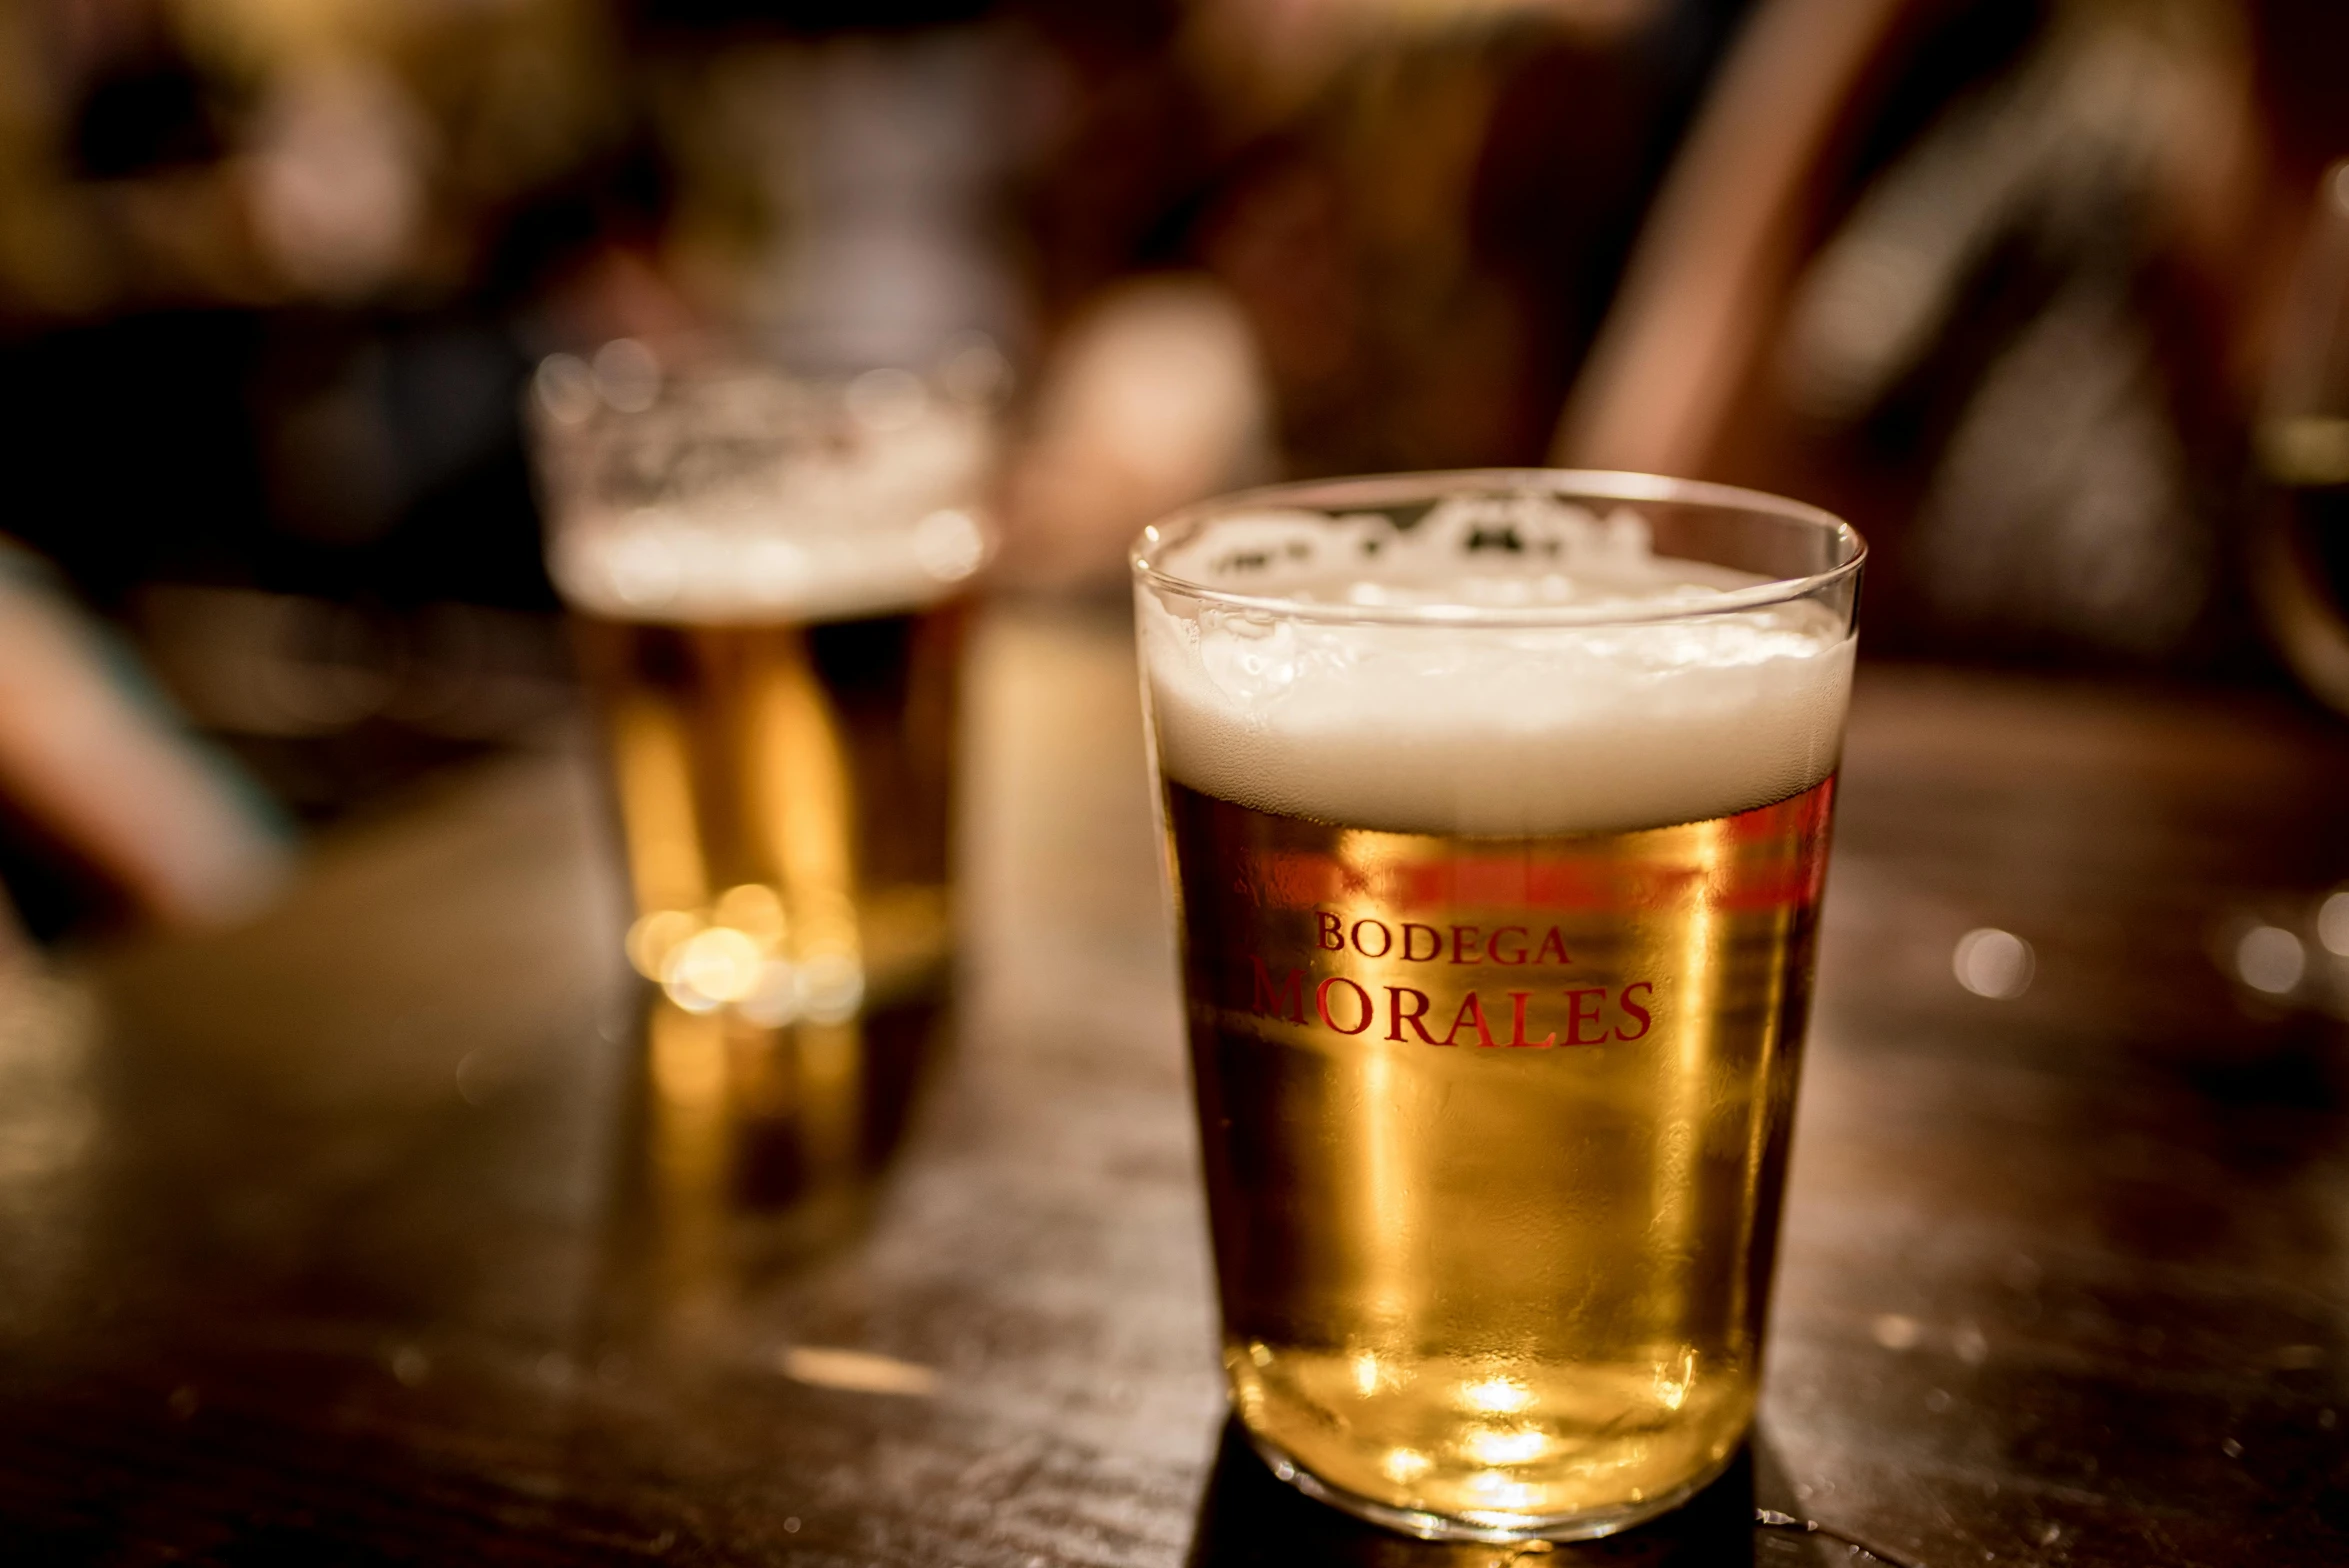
(1496,809)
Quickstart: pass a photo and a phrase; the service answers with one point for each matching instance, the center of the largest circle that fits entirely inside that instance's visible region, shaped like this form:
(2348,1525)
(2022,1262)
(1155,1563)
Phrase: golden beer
(784,791)
(1497,1128)
(1496,813)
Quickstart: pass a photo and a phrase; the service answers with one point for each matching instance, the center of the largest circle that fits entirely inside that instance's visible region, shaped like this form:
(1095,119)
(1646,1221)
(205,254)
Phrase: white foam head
(750,497)
(1472,726)
(679,564)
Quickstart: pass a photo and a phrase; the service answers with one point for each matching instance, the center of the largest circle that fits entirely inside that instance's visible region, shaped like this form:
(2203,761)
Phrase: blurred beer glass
(768,576)
(1496,810)
(2300,532)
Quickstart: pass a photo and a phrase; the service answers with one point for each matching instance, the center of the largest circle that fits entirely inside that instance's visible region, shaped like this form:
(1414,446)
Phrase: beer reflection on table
(754,1148)
(1248,1518)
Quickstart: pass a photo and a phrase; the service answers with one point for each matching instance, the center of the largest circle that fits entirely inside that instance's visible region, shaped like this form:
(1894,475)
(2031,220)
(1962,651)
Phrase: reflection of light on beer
(712,967)
(1492,1492)
(1675,1377)
(1495,1396)
(1680,1129)
(1506,1445)
(1498,944)
(1388,1215)
(1405,1464)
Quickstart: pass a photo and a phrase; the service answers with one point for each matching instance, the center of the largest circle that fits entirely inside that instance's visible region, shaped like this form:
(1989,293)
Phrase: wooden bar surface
(327,1241)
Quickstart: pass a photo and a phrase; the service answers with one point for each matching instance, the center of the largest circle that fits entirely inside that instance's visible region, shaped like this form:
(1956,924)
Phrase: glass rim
(1370,490)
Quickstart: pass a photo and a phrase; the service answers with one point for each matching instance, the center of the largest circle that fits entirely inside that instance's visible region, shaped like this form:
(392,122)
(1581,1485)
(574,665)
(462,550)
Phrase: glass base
(1494,1528)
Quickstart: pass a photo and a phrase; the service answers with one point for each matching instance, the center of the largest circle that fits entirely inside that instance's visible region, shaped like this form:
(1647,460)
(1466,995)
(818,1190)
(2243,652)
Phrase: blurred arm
(1715,256)
(106,775)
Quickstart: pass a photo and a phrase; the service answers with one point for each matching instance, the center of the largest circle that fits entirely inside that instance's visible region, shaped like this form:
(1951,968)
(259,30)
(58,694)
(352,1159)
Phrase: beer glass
(767,574)
(1496,810)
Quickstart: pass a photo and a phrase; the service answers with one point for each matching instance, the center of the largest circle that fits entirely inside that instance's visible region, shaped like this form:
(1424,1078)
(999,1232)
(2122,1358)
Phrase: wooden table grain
(338,1240)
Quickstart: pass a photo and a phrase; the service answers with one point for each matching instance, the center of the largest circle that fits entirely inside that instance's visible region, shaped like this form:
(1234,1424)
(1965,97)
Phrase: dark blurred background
(2010,284)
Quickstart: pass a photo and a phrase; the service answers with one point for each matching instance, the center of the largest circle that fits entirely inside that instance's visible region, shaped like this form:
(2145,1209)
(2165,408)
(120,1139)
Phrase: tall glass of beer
(767,572)
(1496,811)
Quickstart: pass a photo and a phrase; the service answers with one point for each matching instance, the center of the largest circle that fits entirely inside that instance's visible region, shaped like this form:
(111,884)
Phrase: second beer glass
(768,576)
(1497,810)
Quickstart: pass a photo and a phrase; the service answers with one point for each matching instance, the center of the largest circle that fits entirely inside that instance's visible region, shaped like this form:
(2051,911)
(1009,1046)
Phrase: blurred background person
(1396,224)
(270,278)
(2003,281)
